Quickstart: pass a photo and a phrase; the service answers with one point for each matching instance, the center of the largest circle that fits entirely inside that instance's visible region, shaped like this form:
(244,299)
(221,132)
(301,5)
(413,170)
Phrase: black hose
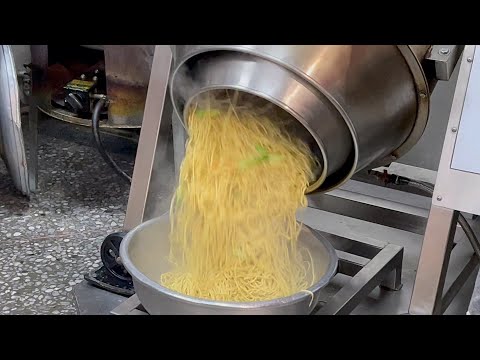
(98,141)
(426,187)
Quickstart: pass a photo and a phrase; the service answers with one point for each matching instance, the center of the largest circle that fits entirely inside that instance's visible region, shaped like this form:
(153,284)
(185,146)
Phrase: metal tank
(126,69)
(362,105)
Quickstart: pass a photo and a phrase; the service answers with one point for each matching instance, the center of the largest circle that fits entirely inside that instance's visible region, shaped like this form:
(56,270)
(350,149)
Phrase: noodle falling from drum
(234,233)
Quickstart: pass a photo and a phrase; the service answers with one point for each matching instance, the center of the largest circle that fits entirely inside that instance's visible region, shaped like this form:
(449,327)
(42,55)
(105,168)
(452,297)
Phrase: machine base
(112,276)
(362,247)
(379,265)
(131,306)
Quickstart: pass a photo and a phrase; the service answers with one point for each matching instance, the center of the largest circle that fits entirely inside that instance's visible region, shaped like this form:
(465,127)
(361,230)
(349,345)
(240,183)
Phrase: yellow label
(82,85)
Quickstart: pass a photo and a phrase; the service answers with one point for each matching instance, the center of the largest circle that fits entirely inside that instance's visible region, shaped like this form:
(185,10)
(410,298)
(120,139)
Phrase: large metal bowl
(144,254)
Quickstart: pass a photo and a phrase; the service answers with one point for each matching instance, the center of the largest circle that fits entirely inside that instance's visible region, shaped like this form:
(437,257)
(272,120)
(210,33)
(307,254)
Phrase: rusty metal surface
(63,115)
(67,116)
(128,72)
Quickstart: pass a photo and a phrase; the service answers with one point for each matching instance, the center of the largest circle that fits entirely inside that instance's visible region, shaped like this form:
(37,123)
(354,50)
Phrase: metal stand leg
(377,271)
(467,270)
(393,281)
(433,264)
(33,143)
(149,135)
(179,139)
(38,76)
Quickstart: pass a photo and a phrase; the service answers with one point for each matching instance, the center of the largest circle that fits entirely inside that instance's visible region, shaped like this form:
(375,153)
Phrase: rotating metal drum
(360,105)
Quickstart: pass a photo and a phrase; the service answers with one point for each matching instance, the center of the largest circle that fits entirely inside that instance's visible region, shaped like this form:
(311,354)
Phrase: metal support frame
(179,140)
(453,290)
(443,58)
(383,269)
(370,209)
(38,66)
(32,141)
(369,264)
(147,145)
(427,296)
(456,189)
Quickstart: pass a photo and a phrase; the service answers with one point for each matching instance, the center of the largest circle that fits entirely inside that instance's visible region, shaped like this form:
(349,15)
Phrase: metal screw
(469,59)
(423,95)
(439,198)
(454,129)
(444,51)
(95,78)
(82,76)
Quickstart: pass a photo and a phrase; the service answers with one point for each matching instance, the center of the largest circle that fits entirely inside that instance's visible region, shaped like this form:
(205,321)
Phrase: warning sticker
(80,85)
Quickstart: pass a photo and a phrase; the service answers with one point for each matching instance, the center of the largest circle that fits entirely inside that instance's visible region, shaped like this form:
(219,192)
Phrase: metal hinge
(444,58)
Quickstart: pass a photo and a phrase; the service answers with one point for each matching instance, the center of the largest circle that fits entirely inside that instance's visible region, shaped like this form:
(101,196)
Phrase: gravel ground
(49,242)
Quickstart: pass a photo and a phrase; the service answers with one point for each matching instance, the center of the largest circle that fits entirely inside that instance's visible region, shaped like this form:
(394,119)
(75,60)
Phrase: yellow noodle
(233,227)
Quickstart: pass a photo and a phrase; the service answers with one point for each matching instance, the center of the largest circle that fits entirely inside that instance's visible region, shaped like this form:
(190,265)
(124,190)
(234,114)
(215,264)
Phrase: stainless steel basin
(144,254)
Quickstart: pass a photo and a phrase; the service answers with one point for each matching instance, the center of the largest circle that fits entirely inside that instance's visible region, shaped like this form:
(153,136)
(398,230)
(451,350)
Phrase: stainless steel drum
(363,105)
(144,254)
